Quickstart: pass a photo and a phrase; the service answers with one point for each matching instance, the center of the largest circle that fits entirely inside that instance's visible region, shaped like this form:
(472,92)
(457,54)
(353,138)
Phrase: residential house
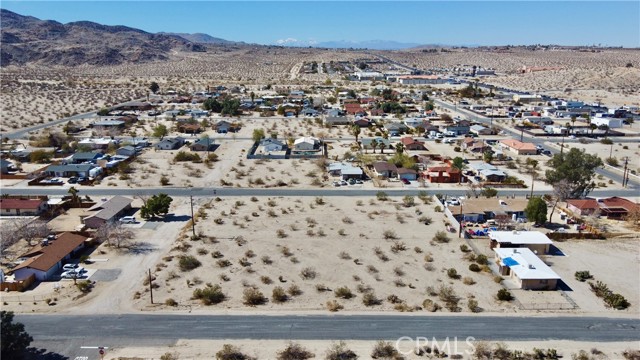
(519,147)
(443,174)
(535,241)
(612,208)
(537,120)
(384,169)
(139,142)
(407,174)
(170,143)
(521,98)
(488,172)
(272,145)
(410,143)
(345,171)
(612,123)
(309,112)
(480,130)
(362,123)
(108,125)
(336,120)
(189,128)
(306,144)
(68,170)
(462,127)
(420,79)
(203,144)
(100,143)
(482,209)
(46,259)
(86,157)
(396,128)
(222,127)
(22,207)
(376,112)
(127,151)
(475,146)
(525,268)
(354,109)
(107,211)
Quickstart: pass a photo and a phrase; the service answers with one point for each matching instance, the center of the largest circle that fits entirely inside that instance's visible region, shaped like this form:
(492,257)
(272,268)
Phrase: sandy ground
(267,349)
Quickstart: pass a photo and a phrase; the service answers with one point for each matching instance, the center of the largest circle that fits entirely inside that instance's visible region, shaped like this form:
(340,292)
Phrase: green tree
(458,164)
(15,339)
(157,205)
(536,210)
(487,157)
(258,134)
(253,96)
(577,168)
(212,105)
(160,131)
(103,112)
(154,87)
(593,127)
(40,156)
(399,148)
(230,107)
(75,199)
(489,192)
(68,127)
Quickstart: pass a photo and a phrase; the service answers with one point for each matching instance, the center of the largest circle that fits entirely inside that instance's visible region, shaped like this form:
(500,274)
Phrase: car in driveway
(128,220)
(405,181)
(68,267)
(72,180)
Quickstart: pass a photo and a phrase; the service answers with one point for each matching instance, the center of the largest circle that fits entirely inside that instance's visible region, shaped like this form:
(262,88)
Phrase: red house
(442,174)
(412,144)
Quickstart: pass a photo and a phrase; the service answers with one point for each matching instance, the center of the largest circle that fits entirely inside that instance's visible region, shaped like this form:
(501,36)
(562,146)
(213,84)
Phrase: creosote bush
(188,263)
(210,295)
(294,351)
(253,297)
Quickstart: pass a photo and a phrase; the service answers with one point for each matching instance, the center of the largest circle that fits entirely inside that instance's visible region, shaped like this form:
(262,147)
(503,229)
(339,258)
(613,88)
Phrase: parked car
(405,181)
(336,183)
(344,183)
(82,179)
(128,220)
(72,180)
(68,267)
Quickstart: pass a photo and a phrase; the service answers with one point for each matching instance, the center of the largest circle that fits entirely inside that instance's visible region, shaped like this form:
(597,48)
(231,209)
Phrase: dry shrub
(253,297)
(308,273)
(384,350)
(294,352)
(340,351)
(278,295)
(343,293)
(333,306)
(230,352)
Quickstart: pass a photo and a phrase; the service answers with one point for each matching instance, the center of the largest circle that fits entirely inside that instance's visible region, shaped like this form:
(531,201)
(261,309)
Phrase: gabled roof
(52,253)
(108,209)
(70,168)
(87,155)
(525,264)
(22,204)
(381,166)
(406,171)
(518,145)
(583,204)
(408,140)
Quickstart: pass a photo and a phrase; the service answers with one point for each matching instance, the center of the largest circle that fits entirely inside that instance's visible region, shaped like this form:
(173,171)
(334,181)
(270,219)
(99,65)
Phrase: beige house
(519,147)
(525,268)
(535,241)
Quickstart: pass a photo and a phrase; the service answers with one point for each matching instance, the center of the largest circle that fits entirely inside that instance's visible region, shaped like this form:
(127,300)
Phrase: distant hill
(370,44)
(26,39)
(200,38)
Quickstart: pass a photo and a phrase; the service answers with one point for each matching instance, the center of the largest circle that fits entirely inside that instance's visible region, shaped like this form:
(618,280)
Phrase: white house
(525,268)
(535,241)
(612,123)
(306,144)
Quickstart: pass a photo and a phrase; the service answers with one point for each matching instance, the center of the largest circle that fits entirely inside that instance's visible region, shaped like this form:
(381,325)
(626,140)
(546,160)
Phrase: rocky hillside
(26,39)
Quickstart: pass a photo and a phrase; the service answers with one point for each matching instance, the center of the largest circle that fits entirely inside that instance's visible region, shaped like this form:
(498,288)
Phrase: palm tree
(573,122)
(399,148)
(593,127)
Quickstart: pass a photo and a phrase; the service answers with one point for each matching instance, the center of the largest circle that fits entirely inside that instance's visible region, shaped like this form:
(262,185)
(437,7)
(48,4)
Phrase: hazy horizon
(457,23)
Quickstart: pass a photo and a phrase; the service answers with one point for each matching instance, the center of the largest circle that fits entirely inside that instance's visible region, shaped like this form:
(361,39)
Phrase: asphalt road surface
(209,192)
(66,334)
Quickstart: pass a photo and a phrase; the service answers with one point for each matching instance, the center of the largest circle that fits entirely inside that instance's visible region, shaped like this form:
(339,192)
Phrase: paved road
(156,329)
(21,133)
(208,192)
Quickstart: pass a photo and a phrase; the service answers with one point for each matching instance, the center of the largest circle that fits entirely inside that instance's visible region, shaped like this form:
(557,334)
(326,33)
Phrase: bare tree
(114,234)
(19,229)
(561,192)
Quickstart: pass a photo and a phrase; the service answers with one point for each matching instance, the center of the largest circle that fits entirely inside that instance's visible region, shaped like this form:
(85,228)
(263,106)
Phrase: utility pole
(625,176)
(461,221)
(151,286)
(521,133)
(562,145)
(611,151)
(193,220)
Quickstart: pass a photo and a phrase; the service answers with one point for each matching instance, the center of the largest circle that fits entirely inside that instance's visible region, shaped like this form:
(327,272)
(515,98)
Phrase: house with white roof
(525,268)
(345,170)
(535,241)
(306,144)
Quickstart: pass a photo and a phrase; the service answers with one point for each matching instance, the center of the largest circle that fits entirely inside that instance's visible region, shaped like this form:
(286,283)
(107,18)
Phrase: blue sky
(424,22)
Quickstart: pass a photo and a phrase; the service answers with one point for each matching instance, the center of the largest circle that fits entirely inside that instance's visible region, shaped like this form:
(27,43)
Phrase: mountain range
(26,39)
